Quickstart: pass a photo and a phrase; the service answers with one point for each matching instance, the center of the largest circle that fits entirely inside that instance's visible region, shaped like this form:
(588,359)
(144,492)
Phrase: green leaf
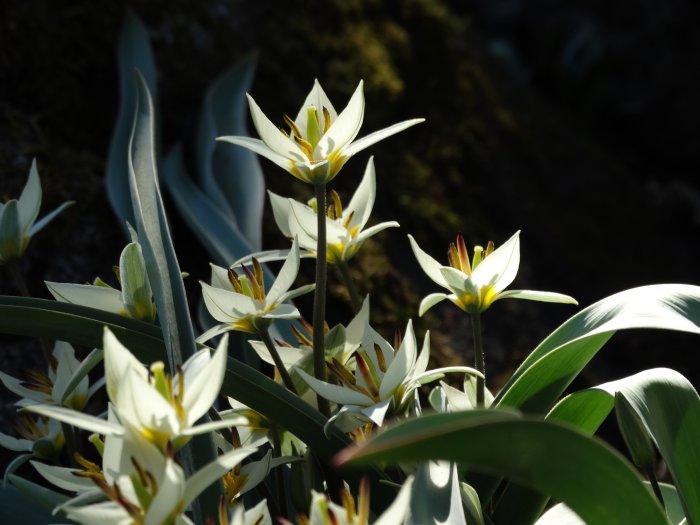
(549,369)
(539,454)
(231,177)
(39,497)
(133,52)
(161,263)
(218,232)
(669,407)
(76,324)
(18,509)
(436,495)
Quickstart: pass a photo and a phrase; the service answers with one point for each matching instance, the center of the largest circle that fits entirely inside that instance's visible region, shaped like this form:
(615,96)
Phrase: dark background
(574,121)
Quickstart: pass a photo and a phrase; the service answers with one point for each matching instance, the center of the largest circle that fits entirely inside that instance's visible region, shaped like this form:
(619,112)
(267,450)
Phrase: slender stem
(478,359)
(286,378)
(279,472)
(320,295)
(21,284)
(655,485)
(350,285)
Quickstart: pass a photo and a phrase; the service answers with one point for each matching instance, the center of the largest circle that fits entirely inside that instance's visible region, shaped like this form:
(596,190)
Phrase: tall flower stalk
(320,296)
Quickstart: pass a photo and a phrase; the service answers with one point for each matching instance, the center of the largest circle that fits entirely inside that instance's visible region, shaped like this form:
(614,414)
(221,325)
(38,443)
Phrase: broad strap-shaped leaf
(669,407)
(134,52)
(539,454)
(549,369)
(231,177)
(151,223)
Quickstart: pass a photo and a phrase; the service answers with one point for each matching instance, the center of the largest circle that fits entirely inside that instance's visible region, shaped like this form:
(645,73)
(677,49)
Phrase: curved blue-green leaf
(151,224)
(231,176)
(37,501)
(580,471)
(549,369)
(216,230)
(133,52)
(669,407)
(16,509)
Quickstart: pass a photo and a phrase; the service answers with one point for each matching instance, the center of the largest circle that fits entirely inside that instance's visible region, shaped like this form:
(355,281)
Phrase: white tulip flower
(18,218)
(477,283)
(320,141)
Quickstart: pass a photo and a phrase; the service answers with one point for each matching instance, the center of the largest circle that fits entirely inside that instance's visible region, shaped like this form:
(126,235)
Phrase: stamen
(363,501)
(337,205)
(489,249)
(348,504)
(306,147)
(259,277)
(369,375)
(257,291)
(223,511)
(463,255)
(234,280)
(397,340)
(380,357)
(348,219)
(301,338)
(293,127)
(116,271)
(342,373)
(326,119)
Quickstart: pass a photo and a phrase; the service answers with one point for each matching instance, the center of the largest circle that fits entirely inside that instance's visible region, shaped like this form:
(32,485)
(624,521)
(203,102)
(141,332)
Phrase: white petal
(204,477)
(307,219)
(532,295)
(375,137)
(317,98)
(430,266)
(16,386)
(141,407)
(286,276)
(293,294)
(202,390)
(210,426)
(374,230)
(277,141)
(290,355)
(225,306)
(77,419)
(63,477)
(345,128)
(107,299)
(259,147)
(267,256)
(281,210)
(15,444)
(424,356)
(377,412)
(117,360)
(431,300)
(283,311)
(171,491)
(46,219)
(362,200)
(458,281)
(106,513)
(335,393)
(401,366)
(213,332)
(30,200)
(219,278)
(398,510)
(500,268)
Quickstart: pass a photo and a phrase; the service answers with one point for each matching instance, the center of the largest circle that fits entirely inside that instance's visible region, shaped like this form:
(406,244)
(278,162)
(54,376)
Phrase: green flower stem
(278,473)
(350,285)
(286,378)
(478,359)
(320,295)
(21,285)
